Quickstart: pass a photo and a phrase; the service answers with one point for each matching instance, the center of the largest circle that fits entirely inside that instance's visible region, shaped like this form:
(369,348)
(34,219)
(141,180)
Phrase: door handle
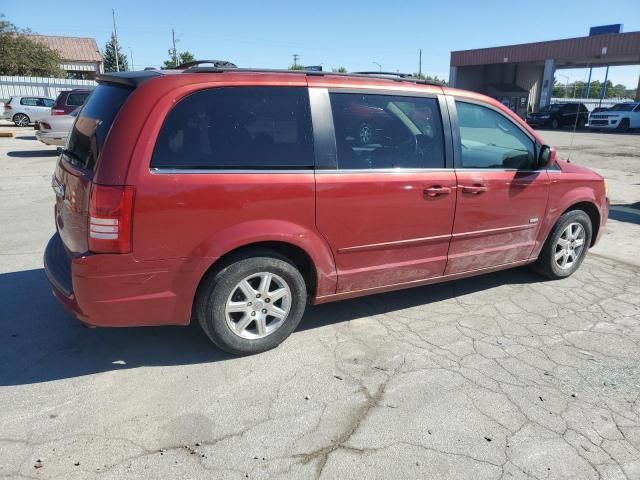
(474,189)
(436,191)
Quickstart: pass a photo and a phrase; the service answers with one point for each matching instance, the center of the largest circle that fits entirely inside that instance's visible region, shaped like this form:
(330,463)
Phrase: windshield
(622,107)
(93,123)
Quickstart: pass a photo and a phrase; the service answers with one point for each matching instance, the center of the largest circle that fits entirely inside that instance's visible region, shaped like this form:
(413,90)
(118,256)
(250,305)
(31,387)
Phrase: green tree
(182,57)
(22,55)
(109,56)
(296,67)
(339,70)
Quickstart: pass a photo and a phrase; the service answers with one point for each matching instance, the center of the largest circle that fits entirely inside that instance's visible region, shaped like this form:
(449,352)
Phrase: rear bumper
(52,138)
(118,291)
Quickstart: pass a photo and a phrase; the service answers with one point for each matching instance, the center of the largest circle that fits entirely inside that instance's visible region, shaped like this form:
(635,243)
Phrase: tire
(581,123)
(623,126)
(550,266)
(555,124)
(242,332)
(21,120)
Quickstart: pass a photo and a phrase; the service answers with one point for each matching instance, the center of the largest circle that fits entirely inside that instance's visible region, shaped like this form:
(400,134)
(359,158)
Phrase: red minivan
(235,197)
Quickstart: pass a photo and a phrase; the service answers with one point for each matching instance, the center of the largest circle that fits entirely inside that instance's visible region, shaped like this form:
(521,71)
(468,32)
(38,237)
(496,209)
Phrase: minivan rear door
(75,170)
(385,200)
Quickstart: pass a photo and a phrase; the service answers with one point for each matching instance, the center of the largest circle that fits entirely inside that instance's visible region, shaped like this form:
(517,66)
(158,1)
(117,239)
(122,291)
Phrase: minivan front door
(502,197)
(386,207)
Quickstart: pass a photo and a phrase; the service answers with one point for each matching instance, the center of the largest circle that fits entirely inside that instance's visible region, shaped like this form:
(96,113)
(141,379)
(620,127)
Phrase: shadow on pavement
(41,342)
(626,213)
(29,137)
(32,153)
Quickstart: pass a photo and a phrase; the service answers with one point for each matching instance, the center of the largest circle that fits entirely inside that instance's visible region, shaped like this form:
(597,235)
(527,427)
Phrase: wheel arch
(594,215)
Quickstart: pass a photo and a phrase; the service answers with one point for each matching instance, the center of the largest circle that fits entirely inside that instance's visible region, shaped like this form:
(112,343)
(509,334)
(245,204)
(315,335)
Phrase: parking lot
(499,376)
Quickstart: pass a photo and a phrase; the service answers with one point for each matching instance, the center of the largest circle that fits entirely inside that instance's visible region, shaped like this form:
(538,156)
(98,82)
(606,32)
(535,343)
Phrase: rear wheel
(623,126)
(555,124)
(566,246)
(21,120)
(252,304)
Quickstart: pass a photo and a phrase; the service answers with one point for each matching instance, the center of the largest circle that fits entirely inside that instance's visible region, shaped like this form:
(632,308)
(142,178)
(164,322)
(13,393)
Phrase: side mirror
(547,156)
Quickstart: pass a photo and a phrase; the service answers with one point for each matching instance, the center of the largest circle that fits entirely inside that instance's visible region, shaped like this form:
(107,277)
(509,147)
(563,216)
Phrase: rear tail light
(43,126)
(55,111)
(7,107)
(111,219)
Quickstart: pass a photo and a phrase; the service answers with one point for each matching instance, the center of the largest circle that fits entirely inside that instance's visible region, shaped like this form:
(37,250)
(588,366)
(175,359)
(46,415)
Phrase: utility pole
(420,65)
(175,52)
(115,40)
(296,57)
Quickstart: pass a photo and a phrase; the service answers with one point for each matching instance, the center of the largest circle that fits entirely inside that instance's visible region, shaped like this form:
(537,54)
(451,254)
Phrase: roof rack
(392,76)
(197,63)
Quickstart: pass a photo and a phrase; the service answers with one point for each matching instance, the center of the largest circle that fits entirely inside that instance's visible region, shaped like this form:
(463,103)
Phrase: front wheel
(253,304)
(555,124)
(566,246)
(623,126)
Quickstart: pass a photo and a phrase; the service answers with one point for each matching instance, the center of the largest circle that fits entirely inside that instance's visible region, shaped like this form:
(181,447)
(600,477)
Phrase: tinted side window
(491,140)
(48,102)
(238,128)
(76,99)
(31,102)
(387,131)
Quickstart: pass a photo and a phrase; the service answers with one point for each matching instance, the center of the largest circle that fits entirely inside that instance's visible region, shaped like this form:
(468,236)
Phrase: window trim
(455,126)
(327,160)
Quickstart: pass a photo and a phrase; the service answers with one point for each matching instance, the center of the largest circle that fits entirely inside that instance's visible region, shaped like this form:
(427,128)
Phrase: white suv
(25,110)
(621,117)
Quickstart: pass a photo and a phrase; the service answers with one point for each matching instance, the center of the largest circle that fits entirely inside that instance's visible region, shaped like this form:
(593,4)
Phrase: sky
(355,34)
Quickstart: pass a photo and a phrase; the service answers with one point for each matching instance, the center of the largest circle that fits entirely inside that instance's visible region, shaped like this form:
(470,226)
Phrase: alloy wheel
(570,246)
(21,120)
(258,305)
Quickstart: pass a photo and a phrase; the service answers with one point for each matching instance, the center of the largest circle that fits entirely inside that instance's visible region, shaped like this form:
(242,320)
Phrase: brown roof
(619,48)
(71,49)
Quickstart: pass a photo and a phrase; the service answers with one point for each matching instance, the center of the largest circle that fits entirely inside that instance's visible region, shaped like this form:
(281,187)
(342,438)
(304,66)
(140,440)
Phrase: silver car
(24,110)
(54,130)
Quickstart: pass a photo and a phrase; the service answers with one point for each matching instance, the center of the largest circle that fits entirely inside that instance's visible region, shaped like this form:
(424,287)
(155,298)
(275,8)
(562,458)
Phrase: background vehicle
(54,130)
(558,115)
(69,100)
(23,110)
(621,117)
(237,196)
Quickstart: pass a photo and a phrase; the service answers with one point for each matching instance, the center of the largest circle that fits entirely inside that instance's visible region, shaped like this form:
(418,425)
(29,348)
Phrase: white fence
(592,103)
(40,86)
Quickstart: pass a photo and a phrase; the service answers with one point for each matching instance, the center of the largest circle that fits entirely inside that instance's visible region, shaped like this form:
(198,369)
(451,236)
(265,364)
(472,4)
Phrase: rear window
(238,128)
(92,125)
(76,99)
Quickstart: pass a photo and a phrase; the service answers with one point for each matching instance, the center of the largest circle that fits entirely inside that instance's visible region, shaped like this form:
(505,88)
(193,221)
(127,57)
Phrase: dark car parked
(69,100)
(558,115)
